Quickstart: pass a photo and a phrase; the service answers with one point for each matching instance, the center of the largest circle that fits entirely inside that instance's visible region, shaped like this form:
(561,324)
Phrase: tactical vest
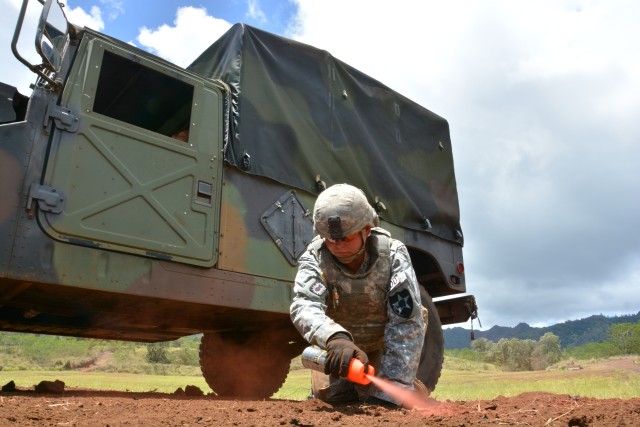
(358,302)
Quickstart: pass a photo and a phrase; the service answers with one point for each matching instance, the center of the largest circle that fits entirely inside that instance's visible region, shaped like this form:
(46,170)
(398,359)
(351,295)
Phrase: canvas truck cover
(298,113)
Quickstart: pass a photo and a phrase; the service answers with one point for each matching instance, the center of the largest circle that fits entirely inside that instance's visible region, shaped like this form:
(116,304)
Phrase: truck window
(141,96)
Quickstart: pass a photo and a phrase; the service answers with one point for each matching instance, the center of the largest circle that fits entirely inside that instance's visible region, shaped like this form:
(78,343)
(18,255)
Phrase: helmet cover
(342,210)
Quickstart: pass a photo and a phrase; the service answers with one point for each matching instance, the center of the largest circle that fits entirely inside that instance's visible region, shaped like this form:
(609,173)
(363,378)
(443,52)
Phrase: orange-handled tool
(356,372)
(314,358)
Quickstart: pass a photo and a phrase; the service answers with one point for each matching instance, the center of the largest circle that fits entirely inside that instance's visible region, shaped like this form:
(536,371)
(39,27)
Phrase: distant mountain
(572,333)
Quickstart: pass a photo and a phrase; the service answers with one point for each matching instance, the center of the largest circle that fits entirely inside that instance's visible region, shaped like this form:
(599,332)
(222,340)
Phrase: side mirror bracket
(52,40)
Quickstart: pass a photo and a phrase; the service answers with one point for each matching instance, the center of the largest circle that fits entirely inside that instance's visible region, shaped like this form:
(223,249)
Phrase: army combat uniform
(378,306)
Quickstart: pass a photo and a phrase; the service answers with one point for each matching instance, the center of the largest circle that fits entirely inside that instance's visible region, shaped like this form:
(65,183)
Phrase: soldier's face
(349,245)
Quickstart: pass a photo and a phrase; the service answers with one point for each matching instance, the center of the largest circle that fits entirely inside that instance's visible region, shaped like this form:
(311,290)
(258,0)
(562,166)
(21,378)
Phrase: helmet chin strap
(347,260)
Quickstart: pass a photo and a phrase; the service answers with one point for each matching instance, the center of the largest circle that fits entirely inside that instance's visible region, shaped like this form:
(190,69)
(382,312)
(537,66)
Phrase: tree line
(572,333)
(515,354)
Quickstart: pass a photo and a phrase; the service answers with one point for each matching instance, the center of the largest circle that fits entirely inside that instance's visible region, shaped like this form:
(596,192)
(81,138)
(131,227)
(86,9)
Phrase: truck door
(138,169)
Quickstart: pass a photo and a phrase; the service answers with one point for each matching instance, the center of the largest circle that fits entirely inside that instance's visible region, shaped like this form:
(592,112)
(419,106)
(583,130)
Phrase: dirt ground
(90,408)
(99,408)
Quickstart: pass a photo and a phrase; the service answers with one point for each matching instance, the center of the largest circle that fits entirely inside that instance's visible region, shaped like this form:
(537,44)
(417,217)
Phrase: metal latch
(204,193)
(62,117)
(50,199)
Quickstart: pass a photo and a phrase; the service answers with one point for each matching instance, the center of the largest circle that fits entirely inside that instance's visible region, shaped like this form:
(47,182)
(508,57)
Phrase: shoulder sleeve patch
(397,278)
(401,303)
(318,288)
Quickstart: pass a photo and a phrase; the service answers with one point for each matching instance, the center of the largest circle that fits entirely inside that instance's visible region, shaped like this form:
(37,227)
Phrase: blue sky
(542,98)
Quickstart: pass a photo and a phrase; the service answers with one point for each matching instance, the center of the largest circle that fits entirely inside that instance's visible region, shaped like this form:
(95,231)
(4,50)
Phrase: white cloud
(114,8)
(192,32)
(92,20)
(255,11)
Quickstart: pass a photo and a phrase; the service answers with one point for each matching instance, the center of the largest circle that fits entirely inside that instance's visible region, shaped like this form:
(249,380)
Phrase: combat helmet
(342,210)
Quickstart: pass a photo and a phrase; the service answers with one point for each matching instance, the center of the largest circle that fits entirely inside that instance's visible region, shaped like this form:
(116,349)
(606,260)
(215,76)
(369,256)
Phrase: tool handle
(356,372)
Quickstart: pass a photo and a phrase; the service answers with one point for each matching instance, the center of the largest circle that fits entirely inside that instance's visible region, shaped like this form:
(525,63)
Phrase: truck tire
(248,366)
(432,356)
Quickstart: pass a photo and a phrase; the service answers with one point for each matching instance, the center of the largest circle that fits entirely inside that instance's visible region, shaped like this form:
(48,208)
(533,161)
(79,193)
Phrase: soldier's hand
(340,351)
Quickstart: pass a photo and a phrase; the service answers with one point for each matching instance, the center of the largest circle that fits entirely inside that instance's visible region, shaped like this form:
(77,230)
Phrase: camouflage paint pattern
(299,113)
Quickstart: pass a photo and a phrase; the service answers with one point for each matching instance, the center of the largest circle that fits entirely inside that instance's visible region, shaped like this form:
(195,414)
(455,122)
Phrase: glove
(340,351)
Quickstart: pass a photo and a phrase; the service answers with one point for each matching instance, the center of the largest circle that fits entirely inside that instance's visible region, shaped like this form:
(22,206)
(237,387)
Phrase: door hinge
(50,199)
(63,118)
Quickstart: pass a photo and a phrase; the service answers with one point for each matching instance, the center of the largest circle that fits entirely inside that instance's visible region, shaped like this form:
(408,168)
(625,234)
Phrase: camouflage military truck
(142,201)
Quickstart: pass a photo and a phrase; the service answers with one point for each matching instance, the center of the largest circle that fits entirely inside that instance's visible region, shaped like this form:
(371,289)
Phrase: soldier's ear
(367,230)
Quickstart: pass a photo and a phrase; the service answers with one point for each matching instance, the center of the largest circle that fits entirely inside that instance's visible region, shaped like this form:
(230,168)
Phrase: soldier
(356,295)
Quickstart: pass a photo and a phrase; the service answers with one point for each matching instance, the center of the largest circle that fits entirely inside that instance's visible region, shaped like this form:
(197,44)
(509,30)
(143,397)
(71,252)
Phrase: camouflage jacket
(403,328)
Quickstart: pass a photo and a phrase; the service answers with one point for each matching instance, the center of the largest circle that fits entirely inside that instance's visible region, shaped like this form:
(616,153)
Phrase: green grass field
(602,384)
(460,380)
